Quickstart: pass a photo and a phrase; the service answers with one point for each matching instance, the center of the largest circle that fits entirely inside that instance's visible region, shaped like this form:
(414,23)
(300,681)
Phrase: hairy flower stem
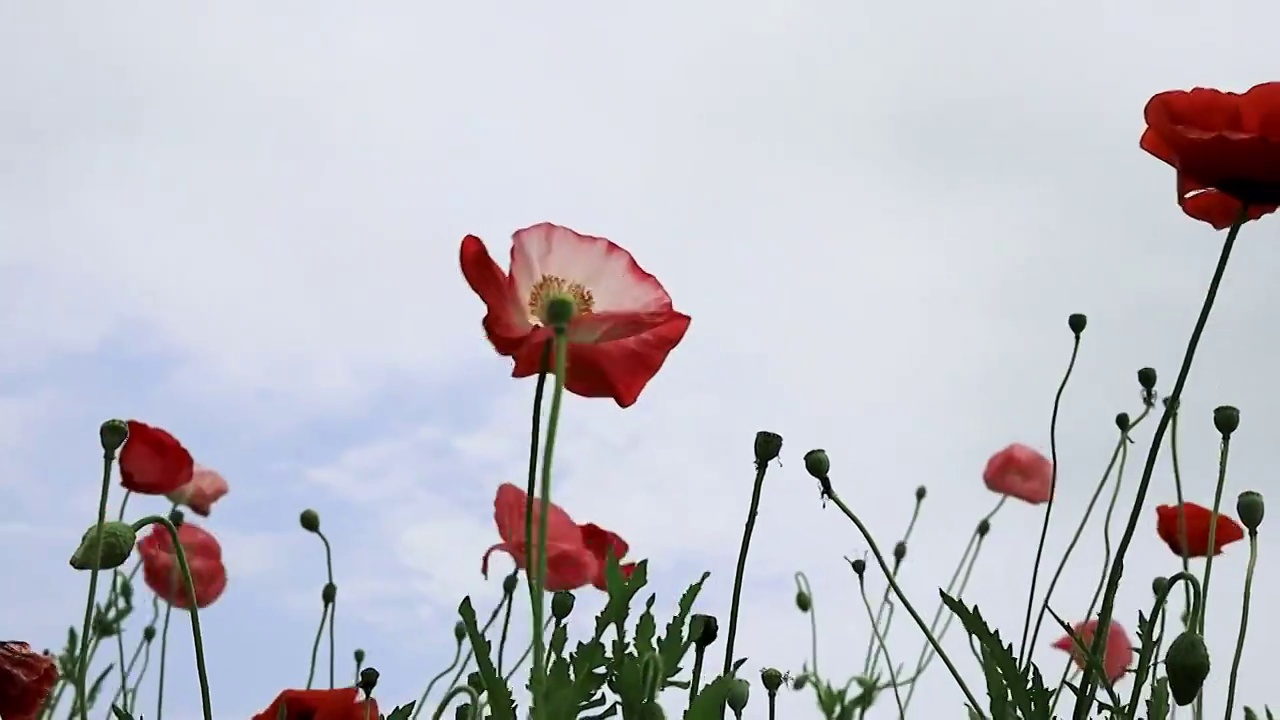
(473,702)
(1023,655)
(457,655)
(1084,700)
(561,352)
(873,652)
(1149,652)
(802,585)
(315,646)
(1225,449)
(535,586)
(699,652)
(502,643)
(747,530)
(1244,621)
(880,639)
(82,657)
(333,604)
(902,598)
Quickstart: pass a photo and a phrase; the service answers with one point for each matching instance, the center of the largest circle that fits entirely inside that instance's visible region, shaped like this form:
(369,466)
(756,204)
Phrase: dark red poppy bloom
(153,462)
(1198,520)
(26,679)
(601,542)
(339,704)
(1117,656)
(164,576)
(623,326)
(1224,146)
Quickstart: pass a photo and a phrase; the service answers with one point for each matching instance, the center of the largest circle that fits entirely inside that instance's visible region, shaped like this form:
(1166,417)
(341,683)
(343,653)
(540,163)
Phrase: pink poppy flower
(1117,657)
(206,487)
(1021,472)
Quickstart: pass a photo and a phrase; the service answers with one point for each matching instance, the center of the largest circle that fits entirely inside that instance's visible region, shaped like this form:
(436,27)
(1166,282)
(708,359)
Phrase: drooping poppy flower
(1021,472)
(26,679)
(338,704)
(153,462)
(624,324)
(1117,656)
(163,574)
(1198,520)
(206,487)
(570,564)
(1224,146)
(601,542)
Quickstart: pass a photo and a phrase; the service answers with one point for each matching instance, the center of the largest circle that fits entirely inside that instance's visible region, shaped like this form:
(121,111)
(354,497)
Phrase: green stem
(1197,620)
(1048,508)
(873,660)
(524,655)
(747,530)
(457,653)
(164,653)
(897,696)
(1244,620)
(531,487)
(471,651)
(333,606)
(1147,653)
(82,657)
(1182,512)
(315,646)
(802,584)
(699,653)
(472,696)
(561,353)
(502,643)
(1084,699)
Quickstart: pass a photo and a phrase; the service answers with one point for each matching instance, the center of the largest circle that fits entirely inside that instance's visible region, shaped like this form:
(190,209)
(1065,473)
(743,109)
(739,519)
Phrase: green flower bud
(984,527)
(310,520)
(475,681)
(771,679)
(329,593)
(1147,378)
(817,463)
(176,518)
(899,552)
(113,434)
(1226,419)
(1250,508)
(768,445)
(118,539)
(859,567)
(703,629)
(368,680)
(1077,322)
(149,633)
(560,310)
(459,631)
(1186,665)
(803,601)
(739,694)
(509,584)
(921,492)
(1123,422)
(800,681)
(359,655)
(1158,585)
(561,605)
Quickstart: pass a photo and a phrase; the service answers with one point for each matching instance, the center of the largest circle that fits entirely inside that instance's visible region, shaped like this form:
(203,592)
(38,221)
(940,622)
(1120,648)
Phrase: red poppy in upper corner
(624,324)
(1115,659)
(1197,521)
(206,488)
(153,462)
(339,704)
(1022,472)
(163,575)
(26,679)
(1224,146)
(601,542)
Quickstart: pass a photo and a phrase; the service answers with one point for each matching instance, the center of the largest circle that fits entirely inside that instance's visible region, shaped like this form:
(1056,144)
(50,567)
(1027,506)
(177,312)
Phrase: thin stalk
(897,696)
(1244,621)
(747,530)
(561,352)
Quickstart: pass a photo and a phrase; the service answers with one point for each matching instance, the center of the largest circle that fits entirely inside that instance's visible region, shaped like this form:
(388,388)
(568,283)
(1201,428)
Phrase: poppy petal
(506,321)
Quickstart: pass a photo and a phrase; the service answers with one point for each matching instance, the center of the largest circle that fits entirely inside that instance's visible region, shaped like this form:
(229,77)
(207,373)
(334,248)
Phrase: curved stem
(699,653)
(902,710)
(873,656)
(1048,508)
(315,646)
(561,352)
(1244,621)
(1085,698)
(1182,510)
(747,530)
(457,654)
(82,657)
(1197,620)
(1148,652)
(333,606)
(472,695)
(802,584)
(502,643)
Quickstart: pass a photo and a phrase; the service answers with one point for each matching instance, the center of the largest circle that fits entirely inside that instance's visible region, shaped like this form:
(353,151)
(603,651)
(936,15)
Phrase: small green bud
(817,463)
(859,567)
(368,680)
(149,633)
(800,681)
(703,629)
(113,434)
(739,694)
(509,584)
(1147,378)
(329,593)
(768,445)
(118,539)
(561,605)
(463,712)
(1123,422)
(310,520)
(899,552)
(459,631)
(1077,323)
(560,310)
(1186,665)
(984,527)
(475,681)
(803,601)
(359,655)
(176,518)
(1226,419)
(921,492)
(771,679)
(1158,585)
(1250,508)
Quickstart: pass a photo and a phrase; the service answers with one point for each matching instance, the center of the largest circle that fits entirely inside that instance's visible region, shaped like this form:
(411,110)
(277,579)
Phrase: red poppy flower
(1117,657)
(339,704)
(600,542)
(570,564)
(153,462)
(1225,147)
(1022,472)
(26,679)
(1198,522)
(624,325)
(163,575)
(206,487)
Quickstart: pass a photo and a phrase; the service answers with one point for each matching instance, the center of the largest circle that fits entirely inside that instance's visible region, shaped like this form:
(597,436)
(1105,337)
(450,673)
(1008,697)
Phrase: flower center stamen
(553,286)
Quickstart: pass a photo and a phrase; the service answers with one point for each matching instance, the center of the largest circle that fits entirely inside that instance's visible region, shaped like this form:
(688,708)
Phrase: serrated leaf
(1267,709)
(503,706)
(403,712)
(1249,713)
(671,646)
(120,713)
(559,636)
(999,665)
(96,687)
(1158,703)
(709,702)
(646,628)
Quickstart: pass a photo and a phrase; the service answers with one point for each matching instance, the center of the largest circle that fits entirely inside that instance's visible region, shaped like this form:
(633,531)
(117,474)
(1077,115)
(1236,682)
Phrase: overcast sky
(241,221)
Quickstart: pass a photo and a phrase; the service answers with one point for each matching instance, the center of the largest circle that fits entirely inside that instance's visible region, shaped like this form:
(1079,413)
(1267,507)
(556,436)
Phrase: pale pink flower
(1021,472)
(206,487)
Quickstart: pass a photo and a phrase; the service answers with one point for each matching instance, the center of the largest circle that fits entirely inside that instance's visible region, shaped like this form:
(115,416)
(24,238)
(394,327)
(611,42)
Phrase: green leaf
(120,714)
(503,706)
(404,712)
(646,628)
(96,687)
(1249,713)
(559,636)
(710,700)
(609,712)
(1158,703)
(1005,679)
(671,646)
(627,682)
(737,664)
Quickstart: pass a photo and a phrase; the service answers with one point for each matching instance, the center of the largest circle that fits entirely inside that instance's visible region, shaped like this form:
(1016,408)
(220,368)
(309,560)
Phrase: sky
(241,222)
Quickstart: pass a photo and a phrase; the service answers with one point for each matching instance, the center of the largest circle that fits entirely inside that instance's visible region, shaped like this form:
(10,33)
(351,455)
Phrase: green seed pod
(899,552)
(771,678)
(359,656)
(113,434)
(1187,665)
(739,694)
(118,539)
(329,593)
(560,310)
(803,601)
(859,567)
(817,463)
(475,681)
(1147,378)
(768,446)
(800,681)
(1077,323)
(703,629)
(1226,419)
(1123,421)
(149,633)
(459,631)
(509,584)
(1158,585)
(561,605)
(368,680)
(309,520)
(652,711)
(1250,508)
(921,492)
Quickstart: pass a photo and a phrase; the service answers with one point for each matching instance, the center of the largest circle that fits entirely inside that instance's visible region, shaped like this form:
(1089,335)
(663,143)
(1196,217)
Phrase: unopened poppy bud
(1250,508)
(704,629)
(817,463)
(921,492)
(859,567)
(310,520)
(768,445)
(176,518)
(359,656)
(739,694)
(1123,422)
(1159,585)
(1077,322)
(561,605)
(117,541)
(149,633)
(329,593)
(1147,378)
(899,552)
(803,601)
(459,631)
(771,679)
(113,434)
(801,680)
(984,527)
(1186,665)
(509,584)
(368,680)
(560,310)
(475,681)
(1226,419)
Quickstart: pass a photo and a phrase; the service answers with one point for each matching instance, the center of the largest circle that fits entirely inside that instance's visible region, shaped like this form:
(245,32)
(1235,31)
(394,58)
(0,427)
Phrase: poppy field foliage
(580,314)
